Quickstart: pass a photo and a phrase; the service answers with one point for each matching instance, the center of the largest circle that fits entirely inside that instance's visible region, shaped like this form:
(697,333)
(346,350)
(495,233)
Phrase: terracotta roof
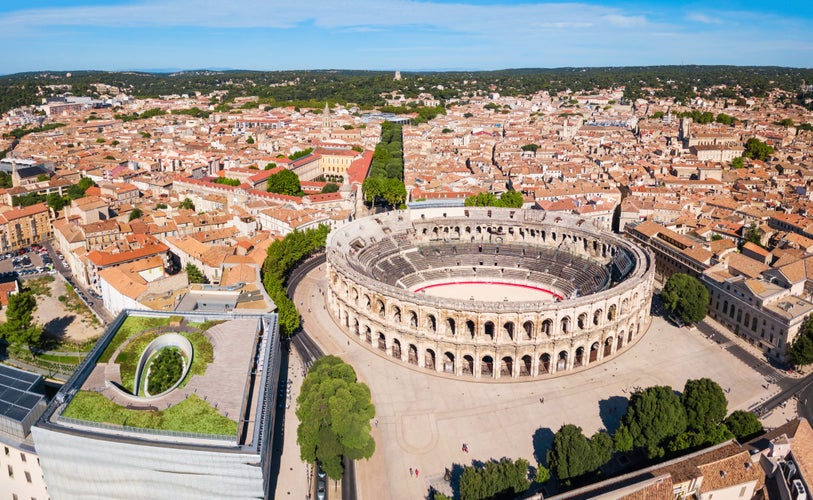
(23,212)
(105,259)
(746,266)
(757,249)
(358,169)
(802,449)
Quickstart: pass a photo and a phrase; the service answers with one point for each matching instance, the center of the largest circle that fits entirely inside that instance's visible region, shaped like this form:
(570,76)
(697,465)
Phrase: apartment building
(24,226)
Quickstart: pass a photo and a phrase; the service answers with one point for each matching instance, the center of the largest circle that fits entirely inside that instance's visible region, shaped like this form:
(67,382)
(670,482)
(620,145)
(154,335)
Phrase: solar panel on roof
(17,413)
(28,400)
(16,402)
(15,374)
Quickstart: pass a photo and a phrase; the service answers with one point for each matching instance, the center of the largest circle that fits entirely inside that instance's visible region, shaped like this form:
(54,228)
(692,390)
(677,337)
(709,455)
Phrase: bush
(165,369)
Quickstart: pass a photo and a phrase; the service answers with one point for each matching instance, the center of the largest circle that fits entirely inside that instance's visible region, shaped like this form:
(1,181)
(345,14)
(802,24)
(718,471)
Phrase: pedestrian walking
(416,472)
(410,472)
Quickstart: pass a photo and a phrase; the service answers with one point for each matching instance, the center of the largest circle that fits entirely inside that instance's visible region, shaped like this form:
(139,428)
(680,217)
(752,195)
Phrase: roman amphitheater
(488,294)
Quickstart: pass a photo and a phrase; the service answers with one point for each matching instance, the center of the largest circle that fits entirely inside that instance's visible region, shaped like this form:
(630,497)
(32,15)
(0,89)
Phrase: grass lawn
(202,355)
(191,415)
(131,326)
(71,360)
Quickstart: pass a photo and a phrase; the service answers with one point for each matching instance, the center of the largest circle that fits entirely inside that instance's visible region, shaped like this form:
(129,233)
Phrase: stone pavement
(423,419)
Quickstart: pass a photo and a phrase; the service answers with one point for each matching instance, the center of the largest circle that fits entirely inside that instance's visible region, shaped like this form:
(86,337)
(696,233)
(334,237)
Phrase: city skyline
(64,35)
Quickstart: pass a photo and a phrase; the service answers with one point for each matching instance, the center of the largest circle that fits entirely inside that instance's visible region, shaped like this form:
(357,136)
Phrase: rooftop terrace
(220,401)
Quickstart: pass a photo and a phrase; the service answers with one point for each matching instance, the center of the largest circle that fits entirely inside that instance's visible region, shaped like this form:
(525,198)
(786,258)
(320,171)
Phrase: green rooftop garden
(190,415)
(131,326)
(128,357)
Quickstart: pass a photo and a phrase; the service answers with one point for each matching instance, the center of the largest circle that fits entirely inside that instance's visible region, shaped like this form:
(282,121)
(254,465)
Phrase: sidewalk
(294,480)
(753,350)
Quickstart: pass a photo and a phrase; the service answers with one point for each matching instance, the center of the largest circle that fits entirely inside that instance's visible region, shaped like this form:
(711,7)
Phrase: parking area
(28,262)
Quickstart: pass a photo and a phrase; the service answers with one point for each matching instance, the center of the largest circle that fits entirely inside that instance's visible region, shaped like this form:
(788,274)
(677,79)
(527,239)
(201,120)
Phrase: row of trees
(227,181)
(506,478)
(385,179)
(283,256)
(334,412)
(509,199)
(657,421)
(55,201)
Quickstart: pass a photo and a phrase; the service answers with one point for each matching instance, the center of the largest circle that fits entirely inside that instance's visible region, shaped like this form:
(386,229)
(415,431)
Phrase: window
(742,491)
(10,471)
(28,476)
(22,457)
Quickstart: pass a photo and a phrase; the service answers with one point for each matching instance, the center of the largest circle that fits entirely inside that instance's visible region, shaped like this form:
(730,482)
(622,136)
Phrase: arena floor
(488,291)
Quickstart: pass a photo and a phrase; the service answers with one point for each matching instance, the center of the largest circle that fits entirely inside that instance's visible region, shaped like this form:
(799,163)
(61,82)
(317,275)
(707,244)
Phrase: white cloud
(289,13)
(703,18)
(625,21)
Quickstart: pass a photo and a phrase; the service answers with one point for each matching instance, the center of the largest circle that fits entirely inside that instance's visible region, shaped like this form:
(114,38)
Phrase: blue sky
(399,34)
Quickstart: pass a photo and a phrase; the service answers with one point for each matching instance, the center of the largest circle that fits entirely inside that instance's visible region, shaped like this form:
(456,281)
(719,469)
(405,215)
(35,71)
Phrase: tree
(389,190)
(725,119)
(542,474)
(743,424)
(55,202)
(705,404)
(738,162)
(186,204)
(482,200)
(494,479)
(602,445)
(511,199)
(5,180)
(250,140)
(135,214)
(753,234)
(300,154)
(530,147)
(686,296)
(194,274)
(42,177)
(570,454)
(757,150)
(284,182)
(653,416)
(19,328)
(330,188)
(623,440)
(334,412)
(801,350)
(226,181)
(270,166)
(160,206)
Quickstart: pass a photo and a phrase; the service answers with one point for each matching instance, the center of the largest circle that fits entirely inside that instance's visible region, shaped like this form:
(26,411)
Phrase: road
(309,352)
(789,387)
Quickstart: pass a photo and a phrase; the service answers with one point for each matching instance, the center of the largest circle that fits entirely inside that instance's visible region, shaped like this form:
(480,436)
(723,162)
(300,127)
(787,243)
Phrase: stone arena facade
(600,289)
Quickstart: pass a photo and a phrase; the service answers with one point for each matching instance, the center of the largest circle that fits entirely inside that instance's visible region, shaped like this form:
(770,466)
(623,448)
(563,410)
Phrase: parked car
(676,320)
(320,490)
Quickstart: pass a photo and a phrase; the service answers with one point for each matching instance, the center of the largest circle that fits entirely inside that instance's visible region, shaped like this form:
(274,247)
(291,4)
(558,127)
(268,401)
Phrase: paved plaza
(423,419)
